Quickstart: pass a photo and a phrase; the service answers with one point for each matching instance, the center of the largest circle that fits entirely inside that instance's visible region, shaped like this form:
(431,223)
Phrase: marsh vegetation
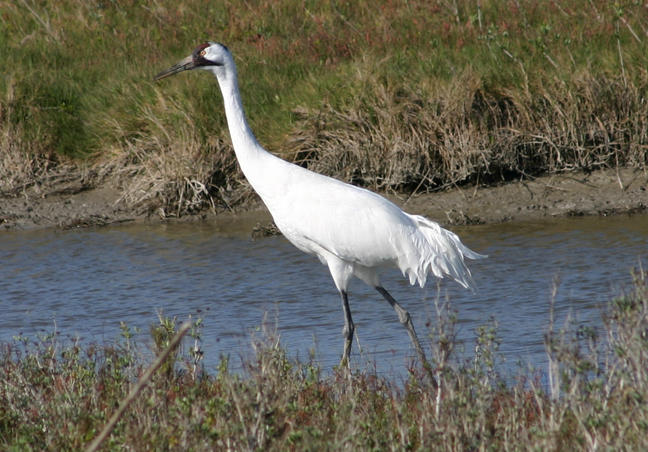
(397,95)
(57,394)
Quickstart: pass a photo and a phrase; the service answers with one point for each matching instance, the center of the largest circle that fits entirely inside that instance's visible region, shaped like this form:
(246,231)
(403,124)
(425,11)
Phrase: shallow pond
(85,282)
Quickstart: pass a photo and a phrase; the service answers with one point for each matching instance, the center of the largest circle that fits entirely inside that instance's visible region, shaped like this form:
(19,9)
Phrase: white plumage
(353,231)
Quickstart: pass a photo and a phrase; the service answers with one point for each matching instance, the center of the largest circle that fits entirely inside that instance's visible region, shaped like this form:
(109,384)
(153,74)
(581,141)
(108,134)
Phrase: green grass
(449,92)
(57,394)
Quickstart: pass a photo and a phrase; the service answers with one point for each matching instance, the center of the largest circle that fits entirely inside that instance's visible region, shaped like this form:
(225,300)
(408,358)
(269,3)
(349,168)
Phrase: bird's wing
(326,217)
(355,224)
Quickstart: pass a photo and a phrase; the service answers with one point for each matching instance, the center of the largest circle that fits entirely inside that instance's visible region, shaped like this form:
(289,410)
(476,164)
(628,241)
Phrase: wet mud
(604,192)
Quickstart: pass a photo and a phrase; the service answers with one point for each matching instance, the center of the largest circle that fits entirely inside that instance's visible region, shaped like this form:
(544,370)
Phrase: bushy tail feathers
(442,253)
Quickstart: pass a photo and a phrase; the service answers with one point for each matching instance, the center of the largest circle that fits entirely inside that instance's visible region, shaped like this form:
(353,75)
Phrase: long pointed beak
(183,65)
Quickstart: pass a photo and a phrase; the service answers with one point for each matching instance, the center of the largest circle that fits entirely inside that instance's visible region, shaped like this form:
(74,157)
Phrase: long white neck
(249,153)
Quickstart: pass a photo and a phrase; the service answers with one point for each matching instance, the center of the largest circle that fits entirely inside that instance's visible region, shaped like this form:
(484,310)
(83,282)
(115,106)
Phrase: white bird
(353,231)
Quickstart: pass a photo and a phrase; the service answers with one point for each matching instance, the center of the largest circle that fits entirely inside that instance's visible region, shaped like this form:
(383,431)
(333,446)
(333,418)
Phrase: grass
(57,395)
(397,95)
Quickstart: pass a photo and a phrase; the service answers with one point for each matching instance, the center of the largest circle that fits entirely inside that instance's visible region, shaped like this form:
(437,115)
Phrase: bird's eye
(202,52)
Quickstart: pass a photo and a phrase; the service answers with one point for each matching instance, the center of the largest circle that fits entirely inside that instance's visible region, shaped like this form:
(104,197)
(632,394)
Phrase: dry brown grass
(461,132)
(169,169)
(19,166)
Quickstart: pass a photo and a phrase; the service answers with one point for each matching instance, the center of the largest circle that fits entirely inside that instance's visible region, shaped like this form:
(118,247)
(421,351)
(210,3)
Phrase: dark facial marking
(199,59)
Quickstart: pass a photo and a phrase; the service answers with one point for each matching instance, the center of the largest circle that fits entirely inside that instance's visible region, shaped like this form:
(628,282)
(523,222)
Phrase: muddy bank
(604,192)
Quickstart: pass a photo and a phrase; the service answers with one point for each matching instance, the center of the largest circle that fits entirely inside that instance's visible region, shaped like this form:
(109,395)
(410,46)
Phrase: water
(83,283)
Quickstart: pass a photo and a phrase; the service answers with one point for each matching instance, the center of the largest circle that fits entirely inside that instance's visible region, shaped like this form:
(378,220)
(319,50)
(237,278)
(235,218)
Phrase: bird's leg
(348,330)
(406,321)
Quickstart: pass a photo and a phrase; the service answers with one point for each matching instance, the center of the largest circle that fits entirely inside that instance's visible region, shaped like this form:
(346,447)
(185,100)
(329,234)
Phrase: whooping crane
(353,231)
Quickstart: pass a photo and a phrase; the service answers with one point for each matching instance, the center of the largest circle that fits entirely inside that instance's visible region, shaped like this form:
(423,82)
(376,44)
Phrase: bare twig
(138,387)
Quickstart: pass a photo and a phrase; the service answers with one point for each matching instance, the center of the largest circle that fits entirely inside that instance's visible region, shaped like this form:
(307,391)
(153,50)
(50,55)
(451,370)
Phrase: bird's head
(209,55)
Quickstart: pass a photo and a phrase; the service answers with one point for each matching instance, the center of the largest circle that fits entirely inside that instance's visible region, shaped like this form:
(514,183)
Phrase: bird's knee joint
(404,317)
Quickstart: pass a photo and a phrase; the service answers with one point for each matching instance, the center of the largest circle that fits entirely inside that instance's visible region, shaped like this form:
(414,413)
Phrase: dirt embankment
(604,192)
